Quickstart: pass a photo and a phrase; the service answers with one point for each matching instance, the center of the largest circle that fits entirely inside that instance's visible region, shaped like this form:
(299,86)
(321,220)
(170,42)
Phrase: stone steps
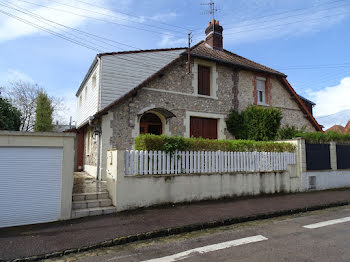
(91,204)
(90,196)
(95,211)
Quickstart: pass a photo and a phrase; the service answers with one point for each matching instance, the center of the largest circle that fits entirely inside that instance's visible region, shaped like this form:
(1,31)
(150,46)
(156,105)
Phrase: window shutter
(203,80)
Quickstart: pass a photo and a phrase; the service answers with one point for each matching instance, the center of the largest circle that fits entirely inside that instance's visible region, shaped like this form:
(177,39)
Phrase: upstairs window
(203,80)
(93,84)
(261,91)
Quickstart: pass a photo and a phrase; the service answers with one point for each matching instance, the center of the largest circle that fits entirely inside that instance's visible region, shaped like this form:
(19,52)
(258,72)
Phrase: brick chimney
(214,35)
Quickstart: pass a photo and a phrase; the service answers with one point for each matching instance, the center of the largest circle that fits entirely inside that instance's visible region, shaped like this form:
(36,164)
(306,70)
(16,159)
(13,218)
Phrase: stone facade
(173,90)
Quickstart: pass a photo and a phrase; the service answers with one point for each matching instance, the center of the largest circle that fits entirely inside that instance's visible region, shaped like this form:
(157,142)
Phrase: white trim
(219,117)
(213,77)
(261,78)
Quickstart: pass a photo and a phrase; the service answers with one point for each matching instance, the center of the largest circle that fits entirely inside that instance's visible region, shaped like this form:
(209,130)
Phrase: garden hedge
(172,143)
(320,137)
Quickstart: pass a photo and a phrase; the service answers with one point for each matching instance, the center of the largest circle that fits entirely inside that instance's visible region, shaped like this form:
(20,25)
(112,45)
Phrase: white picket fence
(189,162)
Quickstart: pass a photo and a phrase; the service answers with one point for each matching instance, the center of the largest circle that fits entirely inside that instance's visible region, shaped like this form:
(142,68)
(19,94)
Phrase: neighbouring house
(125,94)
(340,128)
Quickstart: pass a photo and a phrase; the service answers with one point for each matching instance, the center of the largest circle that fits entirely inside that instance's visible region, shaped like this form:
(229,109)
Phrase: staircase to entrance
(90,197)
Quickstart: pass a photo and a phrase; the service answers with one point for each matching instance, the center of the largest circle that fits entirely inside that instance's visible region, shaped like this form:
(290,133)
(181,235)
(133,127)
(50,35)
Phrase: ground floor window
(150,124)
(204,127)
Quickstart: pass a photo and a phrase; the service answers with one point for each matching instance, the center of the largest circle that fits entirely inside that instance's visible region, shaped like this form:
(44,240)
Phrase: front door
(204,127)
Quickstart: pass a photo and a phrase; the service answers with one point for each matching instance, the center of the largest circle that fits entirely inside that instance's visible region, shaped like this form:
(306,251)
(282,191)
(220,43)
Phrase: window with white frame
(261,90)
(93,84)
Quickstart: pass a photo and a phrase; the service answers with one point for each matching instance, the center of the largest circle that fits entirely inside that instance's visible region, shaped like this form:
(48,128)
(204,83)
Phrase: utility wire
(148,64)
(99,19)
(40,18)
(50,31)
(269,21)
(131,15)
(253,21)
(279,25)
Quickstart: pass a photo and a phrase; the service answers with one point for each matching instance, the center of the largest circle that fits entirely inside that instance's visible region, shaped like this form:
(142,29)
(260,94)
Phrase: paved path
(47,238)
(314,236)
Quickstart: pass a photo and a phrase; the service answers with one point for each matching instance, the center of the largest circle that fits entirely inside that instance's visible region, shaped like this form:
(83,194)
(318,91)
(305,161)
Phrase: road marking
(210,248)
(328,223)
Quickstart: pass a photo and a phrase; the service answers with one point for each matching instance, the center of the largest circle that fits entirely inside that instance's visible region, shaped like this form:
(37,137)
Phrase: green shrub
(171,144)
(320,137)
(255,123)
(235,125)
(289,132)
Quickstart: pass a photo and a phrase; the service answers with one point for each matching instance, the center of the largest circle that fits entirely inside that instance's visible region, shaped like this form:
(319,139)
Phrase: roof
(337,128)
(204,51)
(307,100)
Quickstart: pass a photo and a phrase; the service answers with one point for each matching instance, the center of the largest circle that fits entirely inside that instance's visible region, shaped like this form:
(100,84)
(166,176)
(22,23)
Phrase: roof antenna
(212,10)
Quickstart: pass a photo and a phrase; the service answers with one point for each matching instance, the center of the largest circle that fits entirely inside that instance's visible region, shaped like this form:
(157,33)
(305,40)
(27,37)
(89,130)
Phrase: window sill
(209,97)
(263,105)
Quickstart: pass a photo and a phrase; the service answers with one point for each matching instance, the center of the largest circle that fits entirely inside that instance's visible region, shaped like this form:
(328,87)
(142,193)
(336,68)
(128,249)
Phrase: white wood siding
(89,104)
(123,72)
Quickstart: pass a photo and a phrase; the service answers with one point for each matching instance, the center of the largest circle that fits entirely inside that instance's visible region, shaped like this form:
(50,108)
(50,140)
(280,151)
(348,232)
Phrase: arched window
(150,124)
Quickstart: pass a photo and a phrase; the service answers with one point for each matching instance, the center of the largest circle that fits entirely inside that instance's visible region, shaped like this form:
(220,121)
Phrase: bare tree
(23,95)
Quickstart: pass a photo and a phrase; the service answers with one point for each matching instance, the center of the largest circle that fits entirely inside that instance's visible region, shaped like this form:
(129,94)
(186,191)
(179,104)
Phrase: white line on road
(210,248)
(328,223)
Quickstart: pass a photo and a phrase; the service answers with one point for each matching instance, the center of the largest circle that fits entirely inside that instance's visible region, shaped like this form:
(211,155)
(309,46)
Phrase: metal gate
(318,157)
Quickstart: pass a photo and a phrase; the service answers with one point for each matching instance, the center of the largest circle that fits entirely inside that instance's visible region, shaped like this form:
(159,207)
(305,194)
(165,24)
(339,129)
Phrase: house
(125,94)
(340,128)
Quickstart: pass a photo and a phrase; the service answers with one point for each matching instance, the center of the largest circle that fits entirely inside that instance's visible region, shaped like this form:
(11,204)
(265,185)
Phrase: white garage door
(30,185)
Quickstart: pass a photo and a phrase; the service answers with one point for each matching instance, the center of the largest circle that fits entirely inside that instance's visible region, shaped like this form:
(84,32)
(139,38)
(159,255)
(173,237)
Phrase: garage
(30,185)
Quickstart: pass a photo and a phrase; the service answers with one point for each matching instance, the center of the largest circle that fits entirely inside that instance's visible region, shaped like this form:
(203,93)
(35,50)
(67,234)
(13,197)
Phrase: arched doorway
(150,123)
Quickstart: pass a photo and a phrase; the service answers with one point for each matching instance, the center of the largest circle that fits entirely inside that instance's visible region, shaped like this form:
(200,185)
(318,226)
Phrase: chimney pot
(214,35)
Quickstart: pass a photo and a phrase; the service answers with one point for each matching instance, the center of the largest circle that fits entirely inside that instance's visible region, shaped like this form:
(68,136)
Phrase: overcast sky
(307,40)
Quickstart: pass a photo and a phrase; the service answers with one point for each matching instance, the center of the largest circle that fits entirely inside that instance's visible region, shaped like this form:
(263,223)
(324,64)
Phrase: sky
(53,42)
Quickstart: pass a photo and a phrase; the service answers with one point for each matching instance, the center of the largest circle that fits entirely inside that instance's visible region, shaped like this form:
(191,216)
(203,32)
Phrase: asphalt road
(326,237)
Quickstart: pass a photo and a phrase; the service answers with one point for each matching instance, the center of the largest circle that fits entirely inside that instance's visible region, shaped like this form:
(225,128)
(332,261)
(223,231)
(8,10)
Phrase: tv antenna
(212,10)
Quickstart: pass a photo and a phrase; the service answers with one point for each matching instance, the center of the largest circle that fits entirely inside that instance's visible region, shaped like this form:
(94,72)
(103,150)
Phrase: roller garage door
(30,185)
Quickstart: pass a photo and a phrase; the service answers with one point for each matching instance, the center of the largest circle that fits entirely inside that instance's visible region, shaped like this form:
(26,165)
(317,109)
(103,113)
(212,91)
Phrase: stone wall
(173,90)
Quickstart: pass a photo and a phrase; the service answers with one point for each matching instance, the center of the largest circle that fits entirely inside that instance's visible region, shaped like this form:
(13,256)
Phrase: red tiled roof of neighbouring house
(337,128)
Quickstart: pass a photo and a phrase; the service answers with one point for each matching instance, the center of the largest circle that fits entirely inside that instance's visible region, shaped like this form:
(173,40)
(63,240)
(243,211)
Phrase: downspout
(97,131)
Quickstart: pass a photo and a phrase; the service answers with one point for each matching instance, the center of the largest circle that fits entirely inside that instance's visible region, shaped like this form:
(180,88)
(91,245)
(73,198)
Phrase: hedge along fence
(320,137)
(178,143)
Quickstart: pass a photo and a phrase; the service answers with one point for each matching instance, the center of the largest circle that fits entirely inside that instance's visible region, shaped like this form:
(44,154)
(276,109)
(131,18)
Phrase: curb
(179,230)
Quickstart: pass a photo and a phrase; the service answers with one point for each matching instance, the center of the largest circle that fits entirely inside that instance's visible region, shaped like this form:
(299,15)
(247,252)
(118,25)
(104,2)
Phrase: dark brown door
(204,127)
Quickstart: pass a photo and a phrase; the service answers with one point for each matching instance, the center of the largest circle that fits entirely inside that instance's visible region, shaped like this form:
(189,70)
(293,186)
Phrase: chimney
(214,35)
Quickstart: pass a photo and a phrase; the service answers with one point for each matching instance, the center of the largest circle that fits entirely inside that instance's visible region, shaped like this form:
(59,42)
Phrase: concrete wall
(326,179)
(48,140)
(129,192)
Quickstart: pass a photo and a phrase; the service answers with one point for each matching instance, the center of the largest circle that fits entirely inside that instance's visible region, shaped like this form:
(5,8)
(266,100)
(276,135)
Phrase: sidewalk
(90,232)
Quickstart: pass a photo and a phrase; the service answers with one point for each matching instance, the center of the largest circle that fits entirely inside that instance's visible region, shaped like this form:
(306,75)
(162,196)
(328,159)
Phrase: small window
(203,80)
(93,82)
(80,99)
(86,90)
(261,91)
